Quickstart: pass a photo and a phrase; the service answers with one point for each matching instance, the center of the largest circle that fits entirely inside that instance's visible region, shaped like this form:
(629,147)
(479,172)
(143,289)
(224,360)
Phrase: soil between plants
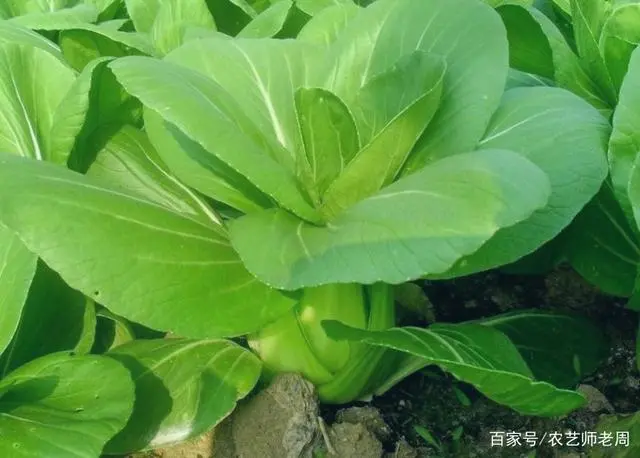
(282,421)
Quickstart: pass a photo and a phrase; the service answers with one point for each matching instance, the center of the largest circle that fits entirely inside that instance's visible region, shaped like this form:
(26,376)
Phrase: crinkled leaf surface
(420,224)
(554,346)
(63,406)
(17,268)
(565,137)
(183,388)
(54,318)
(188,278)
(475,354)
(624,144)
(601,245)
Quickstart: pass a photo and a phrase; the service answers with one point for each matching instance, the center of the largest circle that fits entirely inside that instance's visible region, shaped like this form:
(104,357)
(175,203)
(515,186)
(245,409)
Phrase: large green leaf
(588,17)
(620,37)
(329,134)
(15,34)
(391,111)
(326,26)
(537,46)
(566,138)
(624,145)
(212,116)
(183,388)
(467,34)
(211,177)
(54,318)
(554,345)
(130,163)
(17,267)
(475,354)
(110,108)
(602,246)
(418,225)
(87,42)
(63,406)
(172,20)
(268,23)
(39,15)
(141,260)
(33,85)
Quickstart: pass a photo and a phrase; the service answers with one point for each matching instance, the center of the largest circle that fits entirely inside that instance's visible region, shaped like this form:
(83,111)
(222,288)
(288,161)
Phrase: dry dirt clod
(279,422)
(354,441)
(369,417)
(596,401)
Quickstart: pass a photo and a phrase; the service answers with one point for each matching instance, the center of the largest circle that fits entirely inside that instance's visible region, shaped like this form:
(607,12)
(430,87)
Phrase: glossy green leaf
(588,17)
(63,406)
(326,26)
(476,58)
(188,161)
(620,37)
(130,163)
(566,138)
(418,225)
(537,46)
(15,34)
(85,43)
(183,388)
(213,117)
(269,22)
(188,278)
(33,84)
(110,108)
(54,318)
(143,13)
(602,246)
(475,354)
(56,18)
(172,20)
(624,144)
(554,345)
(314,7)
(329,134)
(17,268)
(391,111)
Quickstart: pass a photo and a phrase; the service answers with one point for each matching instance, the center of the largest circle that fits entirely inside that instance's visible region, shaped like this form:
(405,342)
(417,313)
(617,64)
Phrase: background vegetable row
(259,179)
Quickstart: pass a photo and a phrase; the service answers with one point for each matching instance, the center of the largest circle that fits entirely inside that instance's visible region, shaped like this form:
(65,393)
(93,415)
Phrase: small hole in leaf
(96,293)
(16,445)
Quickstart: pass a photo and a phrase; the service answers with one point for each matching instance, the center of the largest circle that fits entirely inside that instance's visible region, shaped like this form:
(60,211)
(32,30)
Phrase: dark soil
(460,419)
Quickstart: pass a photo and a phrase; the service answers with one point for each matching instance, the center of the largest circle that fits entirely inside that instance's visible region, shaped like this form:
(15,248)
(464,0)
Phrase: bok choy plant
(274,186)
